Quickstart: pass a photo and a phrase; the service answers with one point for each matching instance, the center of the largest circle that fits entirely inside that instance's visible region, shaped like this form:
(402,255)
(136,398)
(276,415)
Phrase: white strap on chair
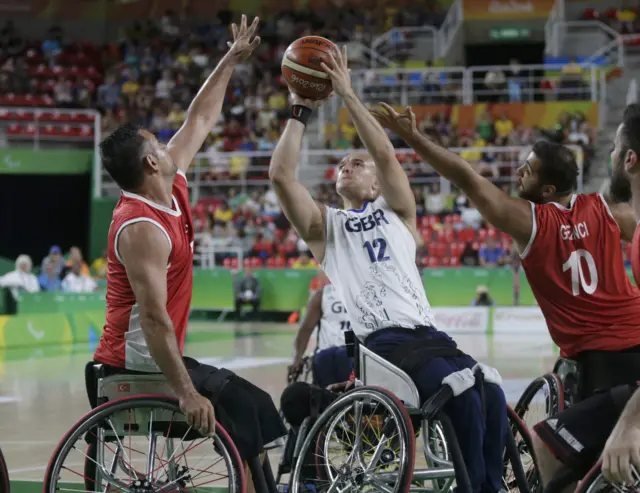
(460,381)
(491,375)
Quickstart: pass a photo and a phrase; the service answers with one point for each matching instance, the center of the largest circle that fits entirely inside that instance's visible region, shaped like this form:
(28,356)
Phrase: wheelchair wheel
(364,440)
(544,397)
(5,486)
(525,456)
(595,482)
(143,442)
(567,371)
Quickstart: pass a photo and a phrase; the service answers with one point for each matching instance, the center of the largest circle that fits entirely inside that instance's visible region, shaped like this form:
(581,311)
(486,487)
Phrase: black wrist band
(301,113)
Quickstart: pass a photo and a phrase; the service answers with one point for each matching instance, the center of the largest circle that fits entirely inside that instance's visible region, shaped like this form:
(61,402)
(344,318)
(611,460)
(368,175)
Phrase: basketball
(302,70)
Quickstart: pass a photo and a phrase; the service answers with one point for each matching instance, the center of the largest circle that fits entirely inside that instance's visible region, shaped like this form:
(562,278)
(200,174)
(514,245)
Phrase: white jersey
(334,319)
(370,259)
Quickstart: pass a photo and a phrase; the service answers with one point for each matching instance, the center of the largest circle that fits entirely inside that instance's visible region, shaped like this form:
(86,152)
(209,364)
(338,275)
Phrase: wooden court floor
(42,391)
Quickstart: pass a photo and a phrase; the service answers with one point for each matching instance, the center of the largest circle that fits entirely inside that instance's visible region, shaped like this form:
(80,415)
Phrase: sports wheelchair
(137,439)
(5,485)
(374,428)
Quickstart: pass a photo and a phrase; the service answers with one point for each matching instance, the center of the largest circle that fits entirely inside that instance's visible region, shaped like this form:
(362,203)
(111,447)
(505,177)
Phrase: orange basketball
(301,66)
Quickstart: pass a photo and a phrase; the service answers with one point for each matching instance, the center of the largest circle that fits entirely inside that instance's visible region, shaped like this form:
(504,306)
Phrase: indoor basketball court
(42,391)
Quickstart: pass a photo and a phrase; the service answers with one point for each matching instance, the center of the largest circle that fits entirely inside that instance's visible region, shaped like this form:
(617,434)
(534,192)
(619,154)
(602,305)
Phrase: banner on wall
(519,320)
(53,162)
(468,320)
(506,10)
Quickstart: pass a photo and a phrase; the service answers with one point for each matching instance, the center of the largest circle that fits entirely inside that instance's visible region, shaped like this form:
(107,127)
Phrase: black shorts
(577,435)
(244,410)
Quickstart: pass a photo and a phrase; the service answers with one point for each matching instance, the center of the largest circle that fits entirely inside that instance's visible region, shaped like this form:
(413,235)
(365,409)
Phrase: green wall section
(101,211)
(51,162)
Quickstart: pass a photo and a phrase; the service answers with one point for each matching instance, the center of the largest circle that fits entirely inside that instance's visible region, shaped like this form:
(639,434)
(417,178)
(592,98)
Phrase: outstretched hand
(244,39)
(338,70)
(403,124)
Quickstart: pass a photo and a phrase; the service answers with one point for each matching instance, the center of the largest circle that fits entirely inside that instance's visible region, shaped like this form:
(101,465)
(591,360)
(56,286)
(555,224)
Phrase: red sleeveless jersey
(635,255)
(575,267)
(122,343)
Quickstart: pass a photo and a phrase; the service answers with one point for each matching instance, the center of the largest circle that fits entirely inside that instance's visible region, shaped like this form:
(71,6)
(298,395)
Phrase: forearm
(301,342)
(284,160)
(449,165)
(163,346)
(208,102)
(371,133)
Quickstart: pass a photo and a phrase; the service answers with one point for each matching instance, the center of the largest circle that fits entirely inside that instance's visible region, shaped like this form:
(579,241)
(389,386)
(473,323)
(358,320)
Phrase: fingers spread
(344,55)
(255,42)
(234,30)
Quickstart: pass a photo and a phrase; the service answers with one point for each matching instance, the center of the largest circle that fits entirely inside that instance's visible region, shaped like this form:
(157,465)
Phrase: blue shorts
(331,365)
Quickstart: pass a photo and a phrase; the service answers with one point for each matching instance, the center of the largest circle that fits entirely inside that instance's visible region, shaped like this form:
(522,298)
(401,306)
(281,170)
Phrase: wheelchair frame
(115,390)
(5,484)
(371,368)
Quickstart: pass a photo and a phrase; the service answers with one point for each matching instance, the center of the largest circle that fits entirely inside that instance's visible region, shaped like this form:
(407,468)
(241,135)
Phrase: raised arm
(312,316)
(394,183)
(508,214)
(204,111)
(144,250)
(305,214)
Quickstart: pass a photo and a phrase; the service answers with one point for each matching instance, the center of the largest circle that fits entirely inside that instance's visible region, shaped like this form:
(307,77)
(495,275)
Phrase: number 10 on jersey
(574,265)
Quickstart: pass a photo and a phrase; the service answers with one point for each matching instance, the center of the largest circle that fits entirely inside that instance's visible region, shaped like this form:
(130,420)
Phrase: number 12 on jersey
(376,250)
(574,264)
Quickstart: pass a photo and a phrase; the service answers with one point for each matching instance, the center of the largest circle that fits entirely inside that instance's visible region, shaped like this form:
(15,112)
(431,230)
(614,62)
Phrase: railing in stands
(451,85)
(211,173)
(591,39)
(407,43)
(41,128)
(450,27)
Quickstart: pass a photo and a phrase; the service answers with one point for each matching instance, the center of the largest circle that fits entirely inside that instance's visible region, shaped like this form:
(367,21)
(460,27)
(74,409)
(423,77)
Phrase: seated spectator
(491,254)
(75,255)
(434,202)
(77,282)
(304,261)
(470,217)
(21,279)
(469,256)
(482,297)
(485,128)
(247,292)
(56,259)
(271,204)
(223,214)
(503,127)
(99,266)
(488,165)
(48,279)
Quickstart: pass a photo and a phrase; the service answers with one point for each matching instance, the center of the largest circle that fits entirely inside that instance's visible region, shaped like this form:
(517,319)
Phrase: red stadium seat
(280,262)
(438,249)
(432,262)
(466,234)
(454,261)
(256,262)
(590,14)
(456,249)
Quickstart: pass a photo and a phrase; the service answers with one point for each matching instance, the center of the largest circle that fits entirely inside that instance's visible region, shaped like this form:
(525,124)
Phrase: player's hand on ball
(309,103)
(199,412)
(403,124)
(621,456)
(244,39)
(337,68)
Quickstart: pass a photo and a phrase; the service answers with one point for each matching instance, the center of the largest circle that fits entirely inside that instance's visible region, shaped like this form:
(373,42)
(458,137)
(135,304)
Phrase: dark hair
(121,154)
(558,166)
(630,132)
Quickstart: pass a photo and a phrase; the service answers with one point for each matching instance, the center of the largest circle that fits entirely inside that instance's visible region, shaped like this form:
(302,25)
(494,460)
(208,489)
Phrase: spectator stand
(584,39)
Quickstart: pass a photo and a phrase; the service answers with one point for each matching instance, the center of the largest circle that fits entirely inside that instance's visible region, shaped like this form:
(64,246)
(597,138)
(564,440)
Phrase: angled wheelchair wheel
(363,441)
(142,442)
(5,486)
(595,482)
(543,398)
(520,471)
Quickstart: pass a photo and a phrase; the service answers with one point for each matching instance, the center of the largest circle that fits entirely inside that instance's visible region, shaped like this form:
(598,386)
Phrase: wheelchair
(366,439)
(5,485)
(136,438)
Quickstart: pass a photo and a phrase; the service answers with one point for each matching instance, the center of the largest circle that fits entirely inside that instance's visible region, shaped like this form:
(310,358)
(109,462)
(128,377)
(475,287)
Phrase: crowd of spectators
(57,273)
